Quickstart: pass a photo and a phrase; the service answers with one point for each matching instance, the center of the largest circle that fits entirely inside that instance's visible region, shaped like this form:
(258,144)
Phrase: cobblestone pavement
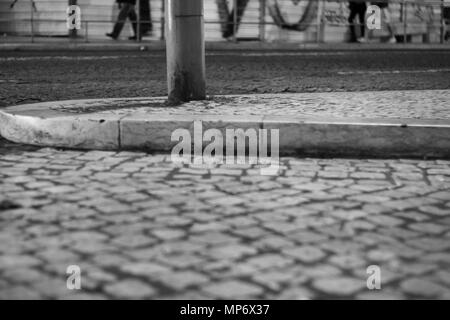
(409,104)
(138,226)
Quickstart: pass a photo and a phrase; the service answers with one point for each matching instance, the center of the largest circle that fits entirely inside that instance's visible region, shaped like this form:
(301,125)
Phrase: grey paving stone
(379,256)
(279,279)
(168,234)
(368,175)
(144,269)
(232,251)
(384,220)
(380,295)
(269,261)
(339,286)
(348,214)
(349,261)
(19,292)
(22,275)
(181,280)
(321,270)
(133,241)
(422,288)
(18,261)
(273,243)
(140,227)
(435,210)
(233,289)
(443,277)
(129,289)
(294,293)
(307,254)
(431,228)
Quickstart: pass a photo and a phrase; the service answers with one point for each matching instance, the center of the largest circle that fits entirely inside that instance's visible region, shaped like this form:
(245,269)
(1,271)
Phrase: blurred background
(302,21)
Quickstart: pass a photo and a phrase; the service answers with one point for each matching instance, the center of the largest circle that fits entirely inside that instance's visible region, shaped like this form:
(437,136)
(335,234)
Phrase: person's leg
(123,14)
(362,19)
(133,18)
(351,25)
(240,10)
(387,19)
(224,16)
(144,15)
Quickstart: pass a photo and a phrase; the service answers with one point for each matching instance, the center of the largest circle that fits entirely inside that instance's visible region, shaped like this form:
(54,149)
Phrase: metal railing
(262,20)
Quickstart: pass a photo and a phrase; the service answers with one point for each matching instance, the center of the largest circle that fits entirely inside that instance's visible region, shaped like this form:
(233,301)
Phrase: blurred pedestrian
(145,15)
(233,22)
(386,17)
(127,10)
(357,8)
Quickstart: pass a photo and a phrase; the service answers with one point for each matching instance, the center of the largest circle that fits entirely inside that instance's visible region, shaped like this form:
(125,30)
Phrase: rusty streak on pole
(185,50)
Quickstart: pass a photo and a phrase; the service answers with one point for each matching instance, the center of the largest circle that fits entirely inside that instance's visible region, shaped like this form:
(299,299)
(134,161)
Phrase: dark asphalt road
(27,77)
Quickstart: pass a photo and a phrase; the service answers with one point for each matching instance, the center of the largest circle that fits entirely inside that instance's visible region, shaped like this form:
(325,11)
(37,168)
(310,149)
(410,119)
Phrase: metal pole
(86,34)
(235,19)
(405,24)
(185,50)
(442,40)
(322,21)
(262,20)
(163,17)
(138,21)
(32,20)
(319,21)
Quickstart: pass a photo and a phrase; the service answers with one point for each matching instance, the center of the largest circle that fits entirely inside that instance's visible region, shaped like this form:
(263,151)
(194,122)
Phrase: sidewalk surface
(389,123)
(139,226)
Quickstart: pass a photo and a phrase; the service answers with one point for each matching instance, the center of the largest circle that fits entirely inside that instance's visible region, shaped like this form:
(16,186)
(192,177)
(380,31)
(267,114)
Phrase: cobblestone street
(140,226)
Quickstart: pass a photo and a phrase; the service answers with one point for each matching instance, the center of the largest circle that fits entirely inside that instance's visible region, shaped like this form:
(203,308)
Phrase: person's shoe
(134,38)
(362,40)
(112,36)
(392,40)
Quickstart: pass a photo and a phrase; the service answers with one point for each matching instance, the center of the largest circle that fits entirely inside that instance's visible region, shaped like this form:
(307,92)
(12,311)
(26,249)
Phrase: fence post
(72,32)
(262,20)
(32,20)
(138,21)
(185,50)
(319,22)
(405,17)
(235,19)
(163,20)
(442,40)
(86,31)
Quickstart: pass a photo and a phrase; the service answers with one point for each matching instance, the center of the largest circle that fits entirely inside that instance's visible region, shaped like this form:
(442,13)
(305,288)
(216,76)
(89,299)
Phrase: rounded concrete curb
(112,124)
